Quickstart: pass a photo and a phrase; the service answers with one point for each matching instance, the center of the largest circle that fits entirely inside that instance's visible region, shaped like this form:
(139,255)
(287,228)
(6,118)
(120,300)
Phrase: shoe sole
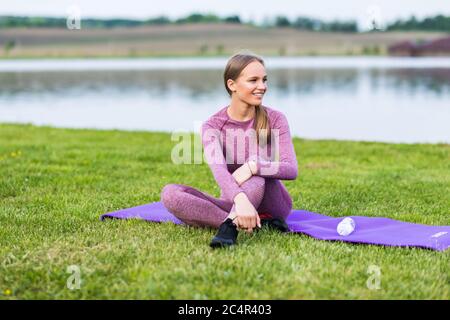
(276,227)
(219,243)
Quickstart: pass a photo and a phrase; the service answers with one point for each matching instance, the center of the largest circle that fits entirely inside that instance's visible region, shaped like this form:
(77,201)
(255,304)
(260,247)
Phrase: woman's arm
(286,168)
(243,173)
(211,140)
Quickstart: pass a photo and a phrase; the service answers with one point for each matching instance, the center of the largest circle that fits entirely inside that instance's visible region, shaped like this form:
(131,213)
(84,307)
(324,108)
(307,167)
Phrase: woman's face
(251,84)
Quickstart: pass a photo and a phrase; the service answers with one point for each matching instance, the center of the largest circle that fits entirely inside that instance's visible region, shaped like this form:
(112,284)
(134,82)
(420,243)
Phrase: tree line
(436,23)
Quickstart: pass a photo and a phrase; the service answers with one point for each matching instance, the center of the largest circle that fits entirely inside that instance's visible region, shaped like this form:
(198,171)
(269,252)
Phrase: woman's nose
(262,86)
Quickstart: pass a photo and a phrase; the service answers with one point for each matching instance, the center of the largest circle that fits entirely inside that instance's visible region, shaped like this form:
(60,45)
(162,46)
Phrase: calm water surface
(371,99)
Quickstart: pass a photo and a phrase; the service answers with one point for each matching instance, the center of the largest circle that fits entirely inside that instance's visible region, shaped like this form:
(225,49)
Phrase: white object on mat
(346,226)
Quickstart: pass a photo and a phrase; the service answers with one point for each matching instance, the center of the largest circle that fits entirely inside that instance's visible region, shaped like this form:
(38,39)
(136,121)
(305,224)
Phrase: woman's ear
(231,85)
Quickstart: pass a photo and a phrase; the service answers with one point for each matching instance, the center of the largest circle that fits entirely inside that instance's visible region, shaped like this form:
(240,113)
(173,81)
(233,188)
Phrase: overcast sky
(256,10)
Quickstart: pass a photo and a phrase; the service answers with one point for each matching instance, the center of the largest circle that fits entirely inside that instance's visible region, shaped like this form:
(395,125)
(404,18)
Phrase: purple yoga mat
(380,231)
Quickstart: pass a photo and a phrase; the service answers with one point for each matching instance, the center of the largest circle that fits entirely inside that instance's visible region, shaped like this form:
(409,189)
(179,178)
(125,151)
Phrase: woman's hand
(244,172)
(247,217)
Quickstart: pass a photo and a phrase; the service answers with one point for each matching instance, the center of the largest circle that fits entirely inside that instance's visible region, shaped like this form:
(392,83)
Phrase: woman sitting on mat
(252,194)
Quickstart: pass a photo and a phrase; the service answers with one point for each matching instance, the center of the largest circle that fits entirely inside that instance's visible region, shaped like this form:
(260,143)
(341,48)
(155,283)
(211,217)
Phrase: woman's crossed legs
(197,208)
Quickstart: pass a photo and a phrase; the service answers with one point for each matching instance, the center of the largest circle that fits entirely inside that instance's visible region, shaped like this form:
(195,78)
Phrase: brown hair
(232,71)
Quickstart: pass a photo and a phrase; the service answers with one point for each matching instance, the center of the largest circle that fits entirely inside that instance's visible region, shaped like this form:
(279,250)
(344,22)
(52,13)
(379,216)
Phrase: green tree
(199,18)
(436,23)
(282,21)
(232,19)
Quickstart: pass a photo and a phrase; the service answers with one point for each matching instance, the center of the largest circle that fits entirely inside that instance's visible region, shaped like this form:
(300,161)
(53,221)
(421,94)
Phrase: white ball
(346,226)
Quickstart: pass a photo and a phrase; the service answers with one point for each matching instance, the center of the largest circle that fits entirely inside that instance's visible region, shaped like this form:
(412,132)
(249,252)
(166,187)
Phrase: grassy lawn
(55,183)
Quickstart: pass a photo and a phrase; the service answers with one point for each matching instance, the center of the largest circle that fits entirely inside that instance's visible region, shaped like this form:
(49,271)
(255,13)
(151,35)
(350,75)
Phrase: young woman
(249,149)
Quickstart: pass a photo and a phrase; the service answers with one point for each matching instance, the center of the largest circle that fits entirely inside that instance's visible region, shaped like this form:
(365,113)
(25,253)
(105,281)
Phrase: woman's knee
(254,188)
(170,195)
(277,200)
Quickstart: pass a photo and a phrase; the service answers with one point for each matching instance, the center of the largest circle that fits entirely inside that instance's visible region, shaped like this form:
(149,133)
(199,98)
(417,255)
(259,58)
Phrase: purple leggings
(197,208)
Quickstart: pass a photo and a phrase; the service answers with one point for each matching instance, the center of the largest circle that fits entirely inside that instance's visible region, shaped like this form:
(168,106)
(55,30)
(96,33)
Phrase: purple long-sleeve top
(223,138)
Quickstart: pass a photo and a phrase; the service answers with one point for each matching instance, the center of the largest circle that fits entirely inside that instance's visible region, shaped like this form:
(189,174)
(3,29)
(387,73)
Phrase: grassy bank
(201,39)
(55,183)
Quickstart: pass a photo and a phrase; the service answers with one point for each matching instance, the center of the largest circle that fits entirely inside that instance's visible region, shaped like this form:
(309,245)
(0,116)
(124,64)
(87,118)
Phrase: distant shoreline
(169,56)
(199,40)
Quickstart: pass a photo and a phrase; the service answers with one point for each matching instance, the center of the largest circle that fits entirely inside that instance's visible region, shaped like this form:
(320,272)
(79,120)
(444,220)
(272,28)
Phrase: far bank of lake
(357,98)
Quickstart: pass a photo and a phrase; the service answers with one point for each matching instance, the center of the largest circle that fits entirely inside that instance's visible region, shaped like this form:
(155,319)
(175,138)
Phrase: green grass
(55,183)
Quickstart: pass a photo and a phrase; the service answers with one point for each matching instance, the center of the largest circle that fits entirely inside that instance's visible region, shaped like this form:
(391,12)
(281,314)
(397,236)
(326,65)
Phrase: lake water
(354,98)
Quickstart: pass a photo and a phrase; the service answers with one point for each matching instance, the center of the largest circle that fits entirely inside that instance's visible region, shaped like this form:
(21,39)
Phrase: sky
(363,11)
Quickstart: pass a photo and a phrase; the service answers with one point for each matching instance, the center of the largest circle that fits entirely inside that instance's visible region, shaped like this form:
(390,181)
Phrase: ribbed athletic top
(229,143)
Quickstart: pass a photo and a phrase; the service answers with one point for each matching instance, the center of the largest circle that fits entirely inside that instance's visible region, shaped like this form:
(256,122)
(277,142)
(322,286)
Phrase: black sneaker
(226,236)
(275,223)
